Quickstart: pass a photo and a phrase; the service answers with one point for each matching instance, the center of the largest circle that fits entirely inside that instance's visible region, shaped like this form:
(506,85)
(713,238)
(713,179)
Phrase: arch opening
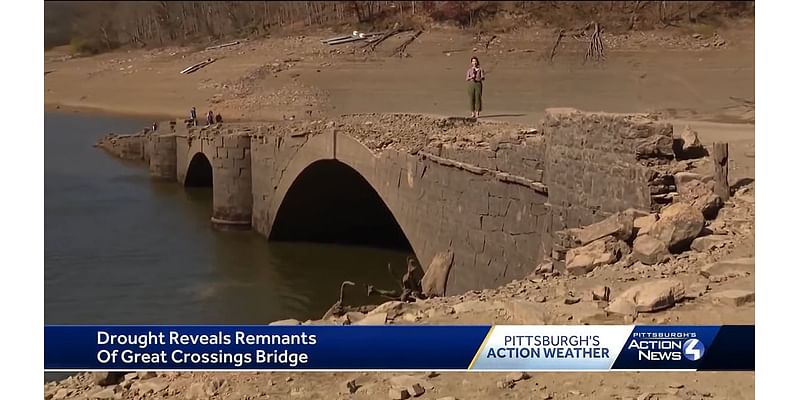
(199,173)
(330,202)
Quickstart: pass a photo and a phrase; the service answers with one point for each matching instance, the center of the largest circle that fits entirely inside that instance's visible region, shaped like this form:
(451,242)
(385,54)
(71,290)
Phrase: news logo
(671,347)
(666,346)
(693,349)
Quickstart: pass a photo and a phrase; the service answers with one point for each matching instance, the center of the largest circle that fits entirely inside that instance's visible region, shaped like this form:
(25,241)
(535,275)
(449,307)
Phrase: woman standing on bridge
(475,78)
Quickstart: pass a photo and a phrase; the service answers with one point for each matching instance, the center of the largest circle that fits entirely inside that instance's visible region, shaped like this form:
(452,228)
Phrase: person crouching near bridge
(475,78)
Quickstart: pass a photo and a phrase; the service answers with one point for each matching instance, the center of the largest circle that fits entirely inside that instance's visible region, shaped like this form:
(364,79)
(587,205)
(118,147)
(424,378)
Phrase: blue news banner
(420,347)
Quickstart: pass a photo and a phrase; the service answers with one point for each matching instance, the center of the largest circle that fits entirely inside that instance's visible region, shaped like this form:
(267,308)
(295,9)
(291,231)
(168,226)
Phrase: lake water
(121,248)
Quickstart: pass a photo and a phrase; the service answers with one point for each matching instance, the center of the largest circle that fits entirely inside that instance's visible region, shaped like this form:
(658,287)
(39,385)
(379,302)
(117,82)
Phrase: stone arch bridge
(492,193)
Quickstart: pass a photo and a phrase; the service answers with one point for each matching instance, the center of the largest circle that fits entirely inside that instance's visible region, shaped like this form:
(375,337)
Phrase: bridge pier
(163,156)
(233,189)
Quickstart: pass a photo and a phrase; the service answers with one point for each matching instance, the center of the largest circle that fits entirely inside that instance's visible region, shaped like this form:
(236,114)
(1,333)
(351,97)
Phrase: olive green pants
(475,89)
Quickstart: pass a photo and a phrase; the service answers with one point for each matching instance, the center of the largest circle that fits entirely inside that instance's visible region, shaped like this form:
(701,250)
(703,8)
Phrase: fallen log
(195,67)
(219,46)
(348,40)
(394,31)
(402,48)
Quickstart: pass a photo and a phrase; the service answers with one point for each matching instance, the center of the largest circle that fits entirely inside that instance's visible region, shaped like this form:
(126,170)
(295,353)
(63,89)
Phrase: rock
(602,318)
(373,318)
(708,204)
(649,250)
(398,394)
(130,376)
(585,259)
(434,283)
(700,194)
(62,394)
(416,390)
(601,293)
(642,224)
(572,300)
(734,297)
(654,146)
(678,225)
(696,290)
(105,394)
(540,299)
(196,391)
(405,381)
(708,243)
(353,316)
(725,266)
(518,376)
(505,384)
(690,140)
(619,225)
(648,297)
(107,378)
(145,375)
(154,385)
(544,268)
(351,386)
(285,322)
(683,177)
(524,312)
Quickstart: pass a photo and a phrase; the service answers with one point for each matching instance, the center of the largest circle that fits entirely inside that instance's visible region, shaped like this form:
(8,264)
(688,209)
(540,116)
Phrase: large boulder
(648,297)
(679,224)
(434,283)
(729,266)
(690,146)
(649,250)
(690,139)
(585,259)
(683,177)
(643,224)
(708,243)
(700,194)
(619,225)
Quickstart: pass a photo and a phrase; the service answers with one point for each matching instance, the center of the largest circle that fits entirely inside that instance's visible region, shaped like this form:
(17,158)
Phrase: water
(121,248)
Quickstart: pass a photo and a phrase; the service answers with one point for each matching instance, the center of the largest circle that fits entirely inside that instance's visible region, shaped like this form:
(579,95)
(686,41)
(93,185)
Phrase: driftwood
(338,308)
(219,46)
(195,67)
(402,48)
(394,31)
(488,42)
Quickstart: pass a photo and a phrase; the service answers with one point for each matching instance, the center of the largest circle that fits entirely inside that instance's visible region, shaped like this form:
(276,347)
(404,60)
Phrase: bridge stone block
(163,156)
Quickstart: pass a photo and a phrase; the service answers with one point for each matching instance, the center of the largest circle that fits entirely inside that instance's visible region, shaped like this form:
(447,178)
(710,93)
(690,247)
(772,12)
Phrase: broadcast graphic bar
(401,348)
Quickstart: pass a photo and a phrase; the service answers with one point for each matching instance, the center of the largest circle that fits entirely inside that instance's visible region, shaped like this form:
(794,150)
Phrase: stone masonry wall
(493,221)
(600,163)
(233,195)
(126,147)
(494,199)
(163,156)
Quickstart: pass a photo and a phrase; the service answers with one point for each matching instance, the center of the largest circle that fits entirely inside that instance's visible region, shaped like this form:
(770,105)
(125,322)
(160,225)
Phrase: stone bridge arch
(350,166)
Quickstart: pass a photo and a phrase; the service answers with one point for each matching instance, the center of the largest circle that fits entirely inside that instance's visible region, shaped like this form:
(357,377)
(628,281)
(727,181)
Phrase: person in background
(475,78)
(193,116)
(219,118)
(210,118)
(155,126)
